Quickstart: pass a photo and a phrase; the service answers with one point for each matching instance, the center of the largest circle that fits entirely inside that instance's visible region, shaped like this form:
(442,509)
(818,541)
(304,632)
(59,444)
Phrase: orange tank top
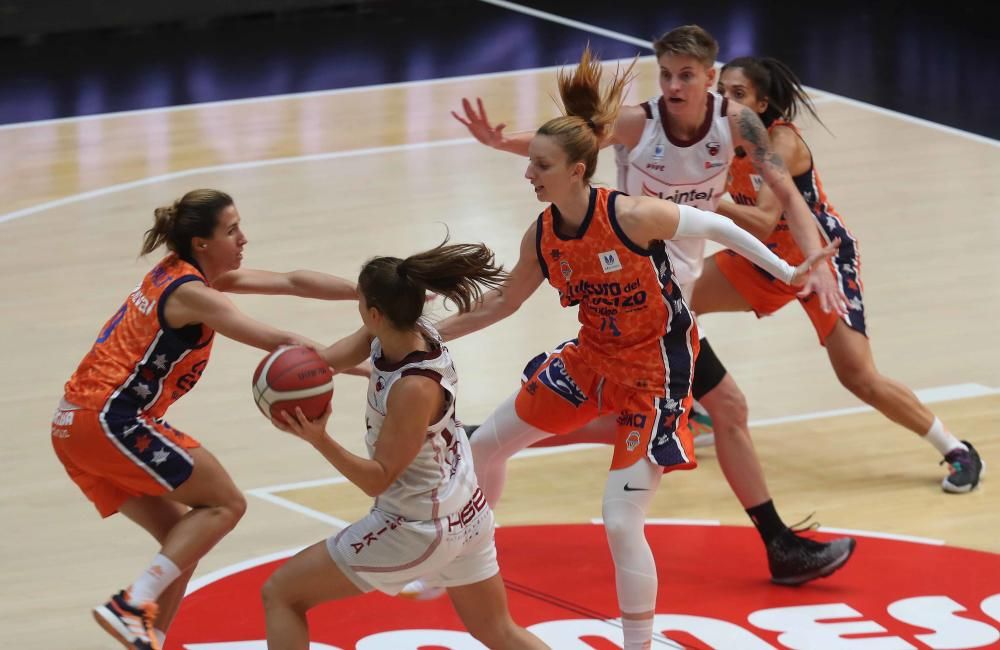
(139,364)
(744,185)
(632,315)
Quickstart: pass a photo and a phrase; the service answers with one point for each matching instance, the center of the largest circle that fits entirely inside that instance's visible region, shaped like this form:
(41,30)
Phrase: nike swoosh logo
(632,489)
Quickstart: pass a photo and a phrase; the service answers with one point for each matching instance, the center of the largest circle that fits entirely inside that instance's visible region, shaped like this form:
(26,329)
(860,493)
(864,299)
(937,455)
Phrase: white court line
(670,522)
(150,180)
(926,395)
(825,96)
(586,27)
(299,95)
(631,40)
(265,494)
(214,576)
(867,533)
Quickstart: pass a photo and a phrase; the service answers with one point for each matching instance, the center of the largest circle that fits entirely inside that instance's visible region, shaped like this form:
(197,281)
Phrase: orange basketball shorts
(561,394)
(114,459)
(766,294)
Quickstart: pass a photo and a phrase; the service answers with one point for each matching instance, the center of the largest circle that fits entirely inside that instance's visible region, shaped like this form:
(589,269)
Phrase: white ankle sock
(941,438)
(153,581)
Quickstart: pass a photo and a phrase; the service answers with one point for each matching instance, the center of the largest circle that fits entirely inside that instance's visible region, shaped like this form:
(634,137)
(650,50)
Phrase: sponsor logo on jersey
(712,164)
(566,269)
(658,152)
(632,441)
(609,261)
(713,147)
(679,196)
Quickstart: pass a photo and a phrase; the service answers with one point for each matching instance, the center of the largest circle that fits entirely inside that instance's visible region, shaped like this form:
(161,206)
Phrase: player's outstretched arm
(193,303)
(305,284)
(497,304)
(651,219)
(349,352)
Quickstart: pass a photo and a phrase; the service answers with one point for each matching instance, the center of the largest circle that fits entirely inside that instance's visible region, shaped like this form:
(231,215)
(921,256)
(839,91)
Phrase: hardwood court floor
(325,181)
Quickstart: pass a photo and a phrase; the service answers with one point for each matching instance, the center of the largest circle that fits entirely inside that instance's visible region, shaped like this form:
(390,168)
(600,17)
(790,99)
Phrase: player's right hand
(478,124)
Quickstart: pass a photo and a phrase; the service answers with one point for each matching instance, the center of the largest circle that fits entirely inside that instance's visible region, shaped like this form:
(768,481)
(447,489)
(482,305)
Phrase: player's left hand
(297,424)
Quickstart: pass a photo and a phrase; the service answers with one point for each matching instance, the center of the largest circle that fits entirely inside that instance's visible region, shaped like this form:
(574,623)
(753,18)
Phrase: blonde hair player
(678,146)
(605,253)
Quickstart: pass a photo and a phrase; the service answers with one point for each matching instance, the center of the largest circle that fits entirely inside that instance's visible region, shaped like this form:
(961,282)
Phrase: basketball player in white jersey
(429,519)
(678,147)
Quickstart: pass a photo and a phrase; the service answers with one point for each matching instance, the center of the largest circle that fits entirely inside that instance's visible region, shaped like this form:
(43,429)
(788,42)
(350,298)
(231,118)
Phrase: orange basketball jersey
(138,364)
(636,328)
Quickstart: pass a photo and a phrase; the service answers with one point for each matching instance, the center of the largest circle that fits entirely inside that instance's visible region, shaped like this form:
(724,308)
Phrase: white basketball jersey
(693,173)
(440,480)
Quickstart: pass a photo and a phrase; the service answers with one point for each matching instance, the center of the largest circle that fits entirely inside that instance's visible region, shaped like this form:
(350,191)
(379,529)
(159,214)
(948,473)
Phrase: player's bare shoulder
(629,126)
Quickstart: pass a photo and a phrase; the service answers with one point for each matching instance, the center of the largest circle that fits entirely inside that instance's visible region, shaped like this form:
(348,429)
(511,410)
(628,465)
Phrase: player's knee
(271,594)
(622,526)
(278,591)
(229,510)
(861,384)
(235,506)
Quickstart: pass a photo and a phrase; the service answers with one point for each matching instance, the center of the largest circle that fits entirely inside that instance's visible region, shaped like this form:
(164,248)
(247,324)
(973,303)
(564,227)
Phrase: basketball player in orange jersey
(678,146)
(634,356)
(430,518)
(730,283)
(108,430)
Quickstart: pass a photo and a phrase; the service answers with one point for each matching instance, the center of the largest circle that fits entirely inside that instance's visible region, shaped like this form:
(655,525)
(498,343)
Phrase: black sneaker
(965,468)
(794,559)
(132,626)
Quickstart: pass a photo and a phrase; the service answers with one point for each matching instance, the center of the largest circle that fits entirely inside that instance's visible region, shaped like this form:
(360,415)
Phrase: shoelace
(954,466)
(803,526)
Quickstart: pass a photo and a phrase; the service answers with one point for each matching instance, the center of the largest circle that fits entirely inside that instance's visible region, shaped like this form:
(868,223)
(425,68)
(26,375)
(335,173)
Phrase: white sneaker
(418,590)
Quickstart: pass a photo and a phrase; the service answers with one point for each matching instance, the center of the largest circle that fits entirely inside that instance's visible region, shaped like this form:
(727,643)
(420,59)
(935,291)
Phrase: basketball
(292,376)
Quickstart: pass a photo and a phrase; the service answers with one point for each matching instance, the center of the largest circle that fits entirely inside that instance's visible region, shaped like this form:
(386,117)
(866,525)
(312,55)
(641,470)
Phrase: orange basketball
(292,376)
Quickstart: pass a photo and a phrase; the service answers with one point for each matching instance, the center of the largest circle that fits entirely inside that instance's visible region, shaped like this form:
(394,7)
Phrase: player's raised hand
(478,123)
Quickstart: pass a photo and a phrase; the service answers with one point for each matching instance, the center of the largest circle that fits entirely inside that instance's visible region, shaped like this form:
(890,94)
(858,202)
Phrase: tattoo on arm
(761,155)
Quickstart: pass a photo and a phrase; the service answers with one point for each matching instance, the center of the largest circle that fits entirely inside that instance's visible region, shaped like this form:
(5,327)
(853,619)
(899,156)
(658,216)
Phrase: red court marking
(564,573)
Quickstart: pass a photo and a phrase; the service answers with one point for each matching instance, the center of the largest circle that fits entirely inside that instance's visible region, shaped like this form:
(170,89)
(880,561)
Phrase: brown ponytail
(459,272)
(193,215)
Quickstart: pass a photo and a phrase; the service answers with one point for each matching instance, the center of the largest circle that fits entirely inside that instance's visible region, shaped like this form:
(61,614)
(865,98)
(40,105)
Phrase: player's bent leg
(502,435)
(851,356)
(216,505)
(309,578)
(737,456)
(158,516)
(627,495)
(482,606)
